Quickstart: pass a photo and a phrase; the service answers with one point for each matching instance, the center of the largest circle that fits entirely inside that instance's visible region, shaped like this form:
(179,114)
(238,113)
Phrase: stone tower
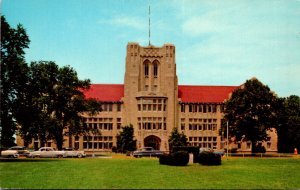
(150,93)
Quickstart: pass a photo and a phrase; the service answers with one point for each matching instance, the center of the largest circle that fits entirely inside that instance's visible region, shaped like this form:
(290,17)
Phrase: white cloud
(125,21)
(236,40)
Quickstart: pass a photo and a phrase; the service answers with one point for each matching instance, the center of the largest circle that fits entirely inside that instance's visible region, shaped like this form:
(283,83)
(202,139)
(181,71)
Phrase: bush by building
(180,158)
(209,158)
(190,149)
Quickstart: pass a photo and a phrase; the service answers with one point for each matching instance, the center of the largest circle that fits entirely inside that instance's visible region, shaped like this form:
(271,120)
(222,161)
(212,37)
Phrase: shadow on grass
(30,160)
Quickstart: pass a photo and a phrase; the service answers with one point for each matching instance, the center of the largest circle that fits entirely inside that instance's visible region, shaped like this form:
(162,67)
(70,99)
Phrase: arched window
(146,69)
(155,68)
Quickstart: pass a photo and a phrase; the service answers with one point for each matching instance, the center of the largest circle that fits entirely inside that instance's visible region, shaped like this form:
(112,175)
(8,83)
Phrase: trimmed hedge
(180,158)
(209,158)
(165,159)
(190,149)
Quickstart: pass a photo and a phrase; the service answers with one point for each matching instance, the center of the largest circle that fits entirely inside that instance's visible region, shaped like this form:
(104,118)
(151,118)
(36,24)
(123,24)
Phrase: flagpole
(227,139)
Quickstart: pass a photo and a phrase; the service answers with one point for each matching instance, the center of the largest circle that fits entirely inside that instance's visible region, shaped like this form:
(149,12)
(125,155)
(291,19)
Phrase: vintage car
(147,151)
(47,152)
(9,153)
(22,151)
(70,152)
(219,152)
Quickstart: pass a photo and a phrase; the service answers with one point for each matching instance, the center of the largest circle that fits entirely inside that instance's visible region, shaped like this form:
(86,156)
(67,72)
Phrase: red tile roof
(204,94)
(105,92)
(187,93)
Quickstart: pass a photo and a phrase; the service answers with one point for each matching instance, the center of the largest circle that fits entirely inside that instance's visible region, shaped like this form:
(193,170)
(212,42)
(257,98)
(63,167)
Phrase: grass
(120,172)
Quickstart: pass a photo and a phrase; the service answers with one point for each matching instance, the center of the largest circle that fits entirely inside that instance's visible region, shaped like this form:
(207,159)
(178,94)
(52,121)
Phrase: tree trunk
(59,138)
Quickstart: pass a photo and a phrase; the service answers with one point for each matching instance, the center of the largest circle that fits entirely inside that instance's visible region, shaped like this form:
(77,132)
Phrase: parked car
(9,153)
(47,152)
(70,152)
(22,151)
(220,152)
(147,151)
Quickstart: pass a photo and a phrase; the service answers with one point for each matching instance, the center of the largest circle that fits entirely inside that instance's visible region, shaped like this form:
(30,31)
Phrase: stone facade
(153,102)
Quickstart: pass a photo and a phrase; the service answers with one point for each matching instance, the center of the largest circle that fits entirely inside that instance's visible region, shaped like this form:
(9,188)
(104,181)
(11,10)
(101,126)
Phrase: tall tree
(125,139)
(250,112)
(34,113)
(13,77)
(54,103)
(177,139)
(289,124)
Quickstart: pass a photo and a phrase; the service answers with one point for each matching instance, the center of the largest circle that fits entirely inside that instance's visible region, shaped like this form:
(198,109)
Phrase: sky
(217,42)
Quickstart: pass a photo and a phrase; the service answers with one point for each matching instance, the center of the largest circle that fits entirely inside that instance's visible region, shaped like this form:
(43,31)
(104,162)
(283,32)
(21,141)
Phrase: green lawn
(240,173)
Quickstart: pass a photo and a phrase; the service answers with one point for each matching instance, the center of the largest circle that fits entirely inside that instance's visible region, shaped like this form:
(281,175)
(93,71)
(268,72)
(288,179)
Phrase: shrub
(190,149)
(180,158)
(209,158)
(165,159)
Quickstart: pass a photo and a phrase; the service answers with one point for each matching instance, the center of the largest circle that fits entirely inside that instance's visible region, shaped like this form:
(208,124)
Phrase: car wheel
(79,155)
(59,156)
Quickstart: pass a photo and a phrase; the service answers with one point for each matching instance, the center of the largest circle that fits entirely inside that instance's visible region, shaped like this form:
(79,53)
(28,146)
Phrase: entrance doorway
(152,141)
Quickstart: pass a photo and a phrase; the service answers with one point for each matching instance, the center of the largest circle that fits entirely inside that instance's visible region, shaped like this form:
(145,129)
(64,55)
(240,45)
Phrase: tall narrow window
(146,69)
(155,70)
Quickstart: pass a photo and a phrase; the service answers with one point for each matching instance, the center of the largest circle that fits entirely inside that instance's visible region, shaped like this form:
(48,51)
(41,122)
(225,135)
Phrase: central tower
(150,93)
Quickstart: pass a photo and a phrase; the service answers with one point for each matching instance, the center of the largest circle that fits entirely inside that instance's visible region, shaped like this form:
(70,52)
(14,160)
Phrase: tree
(177,139)
(125,139)
(13,77)
(251,112)
(53,104)
(288,129)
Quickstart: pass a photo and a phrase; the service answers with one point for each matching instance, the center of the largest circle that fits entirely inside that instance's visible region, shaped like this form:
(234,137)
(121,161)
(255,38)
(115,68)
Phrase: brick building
(152,101)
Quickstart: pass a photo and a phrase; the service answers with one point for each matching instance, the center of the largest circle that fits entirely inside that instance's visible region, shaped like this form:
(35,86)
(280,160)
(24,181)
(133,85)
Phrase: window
(191,108)
(182,126)
(200,108)
(107,107)
(209,108)
(146,70)
(118,107)
(214,108)
(155,70)
(159,107)
(151,104)
(204,108)
(182,107)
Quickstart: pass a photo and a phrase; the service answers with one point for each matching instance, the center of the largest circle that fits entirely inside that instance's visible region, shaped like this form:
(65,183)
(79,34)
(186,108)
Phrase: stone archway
(152,141)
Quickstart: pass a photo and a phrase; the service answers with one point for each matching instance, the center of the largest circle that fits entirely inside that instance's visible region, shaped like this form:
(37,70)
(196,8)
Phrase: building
(152,101)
